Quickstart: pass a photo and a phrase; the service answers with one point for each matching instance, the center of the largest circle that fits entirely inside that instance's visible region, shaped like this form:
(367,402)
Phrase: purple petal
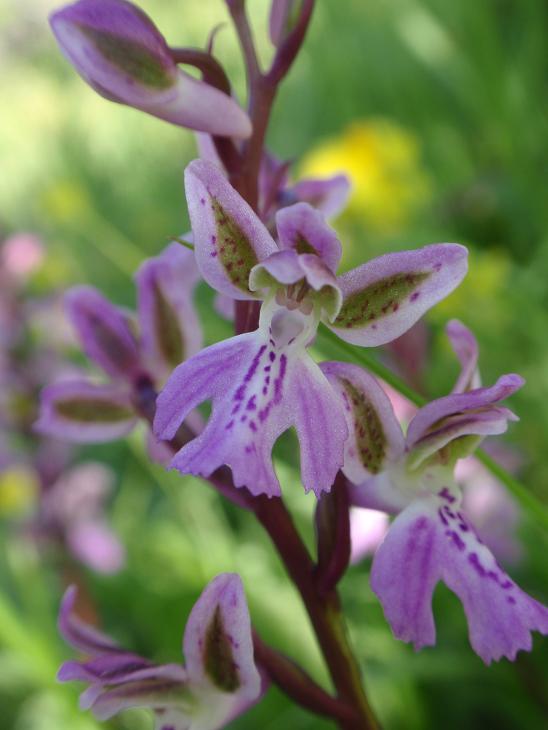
(229,238)
(170,329)
(103,331)
(432,541)
(260,383)
(217,644)
(463,403)
(379,493)
(303,229)
(82,412)
(376,439)
(383,298)
(116,48)
(490,421)
(79,634)
(159,694)
(320,423)
(329,196)
(466,349)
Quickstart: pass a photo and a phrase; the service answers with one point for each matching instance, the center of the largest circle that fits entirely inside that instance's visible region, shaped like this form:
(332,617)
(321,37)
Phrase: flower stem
(324,610)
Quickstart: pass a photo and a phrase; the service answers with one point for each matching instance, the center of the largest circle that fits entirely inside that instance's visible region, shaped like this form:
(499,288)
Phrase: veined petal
(432,541)
(329,196)
(376,439)
(103,331)
(466,349)
(320,423)
(79,634)
(170,329)
(82,412)
(117,49)
(217,644)
(253,381)
(431,416)
(303,229)
(455,430)
(229,238)
(383,298)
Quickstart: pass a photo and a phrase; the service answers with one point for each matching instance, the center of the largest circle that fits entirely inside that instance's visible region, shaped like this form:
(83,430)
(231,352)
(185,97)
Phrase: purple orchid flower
(263,382)
(118,50)
(80,410)
(431,539)
(72,510)
(486,502)
(218,682)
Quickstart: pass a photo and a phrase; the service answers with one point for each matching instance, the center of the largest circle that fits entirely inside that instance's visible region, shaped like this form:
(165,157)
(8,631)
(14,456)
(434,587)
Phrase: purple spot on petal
(507,584)
(251,405)
(437,267)
(511,599)
(456,539)
(414,296)
(253,426)
(229,425)
(446,494)
(475,563)
(442,518)
(272,356)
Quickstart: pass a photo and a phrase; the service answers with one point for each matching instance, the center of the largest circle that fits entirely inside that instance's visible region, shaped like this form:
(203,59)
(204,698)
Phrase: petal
(260,384)
(83,412)
(376,439)
(103,331)
(329,196)
(170,329)
(229,238)
(303,229)
(320,423)
(79,634)
(156,694)
(466,349)
(287,267)
(463,432)
(117,49)
(383,298)
(432,414)
(432,541)
(217,644)
(197,105)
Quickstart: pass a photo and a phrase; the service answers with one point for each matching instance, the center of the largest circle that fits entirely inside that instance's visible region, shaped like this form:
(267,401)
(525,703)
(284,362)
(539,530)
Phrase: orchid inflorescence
(264,245)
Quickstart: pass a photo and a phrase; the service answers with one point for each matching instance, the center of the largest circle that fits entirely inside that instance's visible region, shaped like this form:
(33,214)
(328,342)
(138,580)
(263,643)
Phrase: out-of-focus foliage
(444,107)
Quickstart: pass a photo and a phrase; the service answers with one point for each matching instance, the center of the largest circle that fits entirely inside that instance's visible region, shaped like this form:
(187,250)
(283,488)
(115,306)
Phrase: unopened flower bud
(118,50)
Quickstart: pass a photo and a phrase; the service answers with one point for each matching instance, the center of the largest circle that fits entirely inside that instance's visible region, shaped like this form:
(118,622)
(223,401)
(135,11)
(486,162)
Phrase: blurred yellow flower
(65,201)
(383,161)
(18,491)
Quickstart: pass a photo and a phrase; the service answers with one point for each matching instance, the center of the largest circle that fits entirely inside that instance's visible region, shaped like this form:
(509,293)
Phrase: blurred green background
(439,111)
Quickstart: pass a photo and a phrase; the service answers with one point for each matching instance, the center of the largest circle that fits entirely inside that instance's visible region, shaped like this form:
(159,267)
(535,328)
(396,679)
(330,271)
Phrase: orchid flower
(218,682)
(81,410)
(263,382)
(431,539)
(121,54)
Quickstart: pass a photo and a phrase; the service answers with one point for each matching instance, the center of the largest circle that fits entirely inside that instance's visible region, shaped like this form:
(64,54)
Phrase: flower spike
(118,50)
